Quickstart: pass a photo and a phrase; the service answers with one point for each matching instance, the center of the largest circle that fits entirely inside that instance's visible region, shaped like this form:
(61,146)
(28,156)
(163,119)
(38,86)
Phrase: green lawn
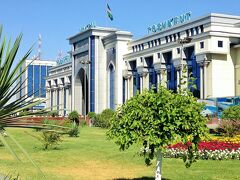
(91,156)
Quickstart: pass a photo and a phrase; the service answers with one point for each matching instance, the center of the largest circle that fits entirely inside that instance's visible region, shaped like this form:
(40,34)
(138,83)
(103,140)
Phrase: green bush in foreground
(155,120)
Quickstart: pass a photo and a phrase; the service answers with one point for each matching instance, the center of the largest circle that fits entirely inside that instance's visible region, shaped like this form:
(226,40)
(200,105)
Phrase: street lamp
(183,41)
(85,63)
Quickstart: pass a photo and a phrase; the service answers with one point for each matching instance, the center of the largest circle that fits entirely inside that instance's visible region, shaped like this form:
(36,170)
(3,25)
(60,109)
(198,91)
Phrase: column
(128,88)
(201,83)
(61,100)
(67,101)
(145,80)
(70,91)
(158,79)
(178,78)
(141,84)
(54,99)
(48,104)
(205,79)
(163,79)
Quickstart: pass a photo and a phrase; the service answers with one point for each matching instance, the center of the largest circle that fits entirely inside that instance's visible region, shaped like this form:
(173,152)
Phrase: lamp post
(85,63)
(183,41)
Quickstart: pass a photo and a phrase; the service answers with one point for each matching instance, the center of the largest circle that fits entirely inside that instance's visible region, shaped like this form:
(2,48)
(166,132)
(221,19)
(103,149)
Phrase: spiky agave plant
(10,85)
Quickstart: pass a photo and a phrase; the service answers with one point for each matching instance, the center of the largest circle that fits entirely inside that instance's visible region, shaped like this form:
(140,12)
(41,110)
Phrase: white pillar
(48,98)
(205,79)
(178,78)
(67,101)
(141,84)
(55,99)
(128,88)
(62,100)
(201,83)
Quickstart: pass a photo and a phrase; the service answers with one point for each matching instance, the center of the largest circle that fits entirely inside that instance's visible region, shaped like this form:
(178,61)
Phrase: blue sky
(56,20)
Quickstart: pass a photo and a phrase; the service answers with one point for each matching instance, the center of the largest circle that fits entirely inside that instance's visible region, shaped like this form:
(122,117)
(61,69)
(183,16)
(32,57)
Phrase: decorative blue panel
(30,80)
(92,74)
(111,86)
(36,84)
(194,71)
(43,81)
(171,73)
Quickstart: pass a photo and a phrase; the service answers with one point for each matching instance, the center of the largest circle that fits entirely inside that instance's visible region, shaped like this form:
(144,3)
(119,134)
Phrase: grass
(91,156)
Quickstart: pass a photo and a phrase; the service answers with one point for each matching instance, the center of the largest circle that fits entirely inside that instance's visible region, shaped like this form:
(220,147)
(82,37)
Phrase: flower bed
(215,150)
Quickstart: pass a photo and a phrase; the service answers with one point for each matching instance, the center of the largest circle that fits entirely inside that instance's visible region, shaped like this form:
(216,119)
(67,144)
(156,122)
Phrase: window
(166,39)
(201,28)
(30,80)
(202,45)
(178,50)
(55,82)
(178,34)
(36,83)
(42,77)
(62,79)
(196,29)
(192,31)
(220,43)
(175,38)
(187,32)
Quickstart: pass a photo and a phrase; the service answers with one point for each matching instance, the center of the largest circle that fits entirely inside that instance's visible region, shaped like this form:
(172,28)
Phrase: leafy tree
(156,120)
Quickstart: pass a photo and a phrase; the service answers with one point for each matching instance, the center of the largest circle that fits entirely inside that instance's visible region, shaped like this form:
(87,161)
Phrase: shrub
(50,139)
(92,116)
(103,120)
(231,121)
(83,123)
(1,144)
(230,128)
(232,113)
(74,131)
(53,113)
(74,117)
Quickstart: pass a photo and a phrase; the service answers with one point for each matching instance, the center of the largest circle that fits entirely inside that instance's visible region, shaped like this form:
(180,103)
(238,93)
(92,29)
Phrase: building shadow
(140,178)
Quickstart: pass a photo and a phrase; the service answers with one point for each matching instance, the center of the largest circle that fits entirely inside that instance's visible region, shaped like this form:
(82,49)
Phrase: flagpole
(106,16)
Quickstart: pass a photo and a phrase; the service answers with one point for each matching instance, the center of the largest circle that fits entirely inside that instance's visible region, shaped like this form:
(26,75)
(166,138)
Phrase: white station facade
(108,67)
